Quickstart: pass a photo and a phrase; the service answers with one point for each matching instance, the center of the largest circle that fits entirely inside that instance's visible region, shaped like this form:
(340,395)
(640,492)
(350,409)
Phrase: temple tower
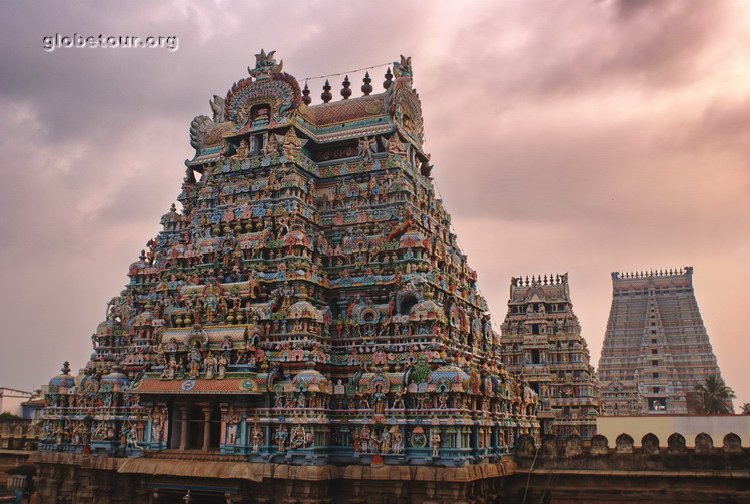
(656,348)
(541,340)
(308,304)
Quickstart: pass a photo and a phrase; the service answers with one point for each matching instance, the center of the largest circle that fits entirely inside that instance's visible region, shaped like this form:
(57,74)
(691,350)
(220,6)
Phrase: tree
(745,408)
(716,397)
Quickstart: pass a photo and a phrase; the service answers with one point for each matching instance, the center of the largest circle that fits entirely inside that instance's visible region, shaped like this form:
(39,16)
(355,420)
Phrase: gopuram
(304,327)
(656,349)
(541,340)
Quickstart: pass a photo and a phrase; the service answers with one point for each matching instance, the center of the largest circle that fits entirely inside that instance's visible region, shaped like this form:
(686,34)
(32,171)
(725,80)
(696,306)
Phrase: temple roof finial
(366,87)
(326,95)
(265,65)
(306,95)
(388,79)
(346,92)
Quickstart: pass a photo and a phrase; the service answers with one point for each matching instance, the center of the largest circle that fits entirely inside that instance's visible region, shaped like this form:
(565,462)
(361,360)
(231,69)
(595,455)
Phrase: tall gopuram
(656,349)
(541,340)
(304,327)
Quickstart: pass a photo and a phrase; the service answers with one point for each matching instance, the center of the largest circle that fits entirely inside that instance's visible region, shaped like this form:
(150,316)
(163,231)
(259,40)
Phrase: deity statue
(280,437)
(379,398)
(272,145)
(243,149)
(364,439)
(194,361)
(232,419)
(297,439)
(394,145)
(222,363)
(435,441)
(366,147)
(256,437)
(291,145)
(158,415)
(209,365)
(397,440)
(385,441)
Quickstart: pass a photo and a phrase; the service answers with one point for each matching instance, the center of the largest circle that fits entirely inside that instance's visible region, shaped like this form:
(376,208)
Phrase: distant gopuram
(541,339)
(306,315)
(656,349)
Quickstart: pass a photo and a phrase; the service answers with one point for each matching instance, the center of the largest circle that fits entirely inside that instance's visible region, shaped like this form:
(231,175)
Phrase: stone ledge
(259,471)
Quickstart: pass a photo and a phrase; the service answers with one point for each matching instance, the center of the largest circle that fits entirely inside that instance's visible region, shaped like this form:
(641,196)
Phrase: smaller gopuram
(541,339)
(656,349)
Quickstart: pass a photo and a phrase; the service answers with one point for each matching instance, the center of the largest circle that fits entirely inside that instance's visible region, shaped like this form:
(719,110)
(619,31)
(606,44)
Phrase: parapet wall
(664,426)
(628,454)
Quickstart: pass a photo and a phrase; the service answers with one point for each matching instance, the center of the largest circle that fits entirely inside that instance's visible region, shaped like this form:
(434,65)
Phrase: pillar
(184,427)
(206,427)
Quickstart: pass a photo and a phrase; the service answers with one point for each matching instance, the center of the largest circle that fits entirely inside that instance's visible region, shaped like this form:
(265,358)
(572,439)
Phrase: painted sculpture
(309,301)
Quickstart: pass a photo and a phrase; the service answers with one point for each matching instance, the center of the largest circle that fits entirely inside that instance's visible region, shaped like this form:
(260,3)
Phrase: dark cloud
(584,137)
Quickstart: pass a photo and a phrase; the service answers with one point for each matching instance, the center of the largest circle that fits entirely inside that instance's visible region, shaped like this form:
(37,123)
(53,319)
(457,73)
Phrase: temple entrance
(196,427)
(199,416)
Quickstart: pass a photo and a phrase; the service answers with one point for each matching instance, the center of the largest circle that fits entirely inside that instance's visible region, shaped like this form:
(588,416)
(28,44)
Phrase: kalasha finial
(66,368)
(366,87)
(306,95)
(388,79)
(345,91)
(326,95)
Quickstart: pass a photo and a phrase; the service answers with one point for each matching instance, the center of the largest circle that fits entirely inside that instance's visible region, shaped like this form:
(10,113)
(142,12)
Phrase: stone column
(184,428)
(206,427)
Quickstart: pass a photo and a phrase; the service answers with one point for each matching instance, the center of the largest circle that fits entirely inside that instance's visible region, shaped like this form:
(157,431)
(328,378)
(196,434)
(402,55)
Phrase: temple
(541,339)
(656,349)
(308,305)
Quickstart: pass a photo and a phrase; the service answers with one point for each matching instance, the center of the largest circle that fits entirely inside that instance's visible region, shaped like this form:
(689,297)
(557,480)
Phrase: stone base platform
(88,479)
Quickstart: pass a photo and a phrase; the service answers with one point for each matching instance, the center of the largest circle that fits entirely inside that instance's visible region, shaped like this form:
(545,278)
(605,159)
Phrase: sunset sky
(567,136)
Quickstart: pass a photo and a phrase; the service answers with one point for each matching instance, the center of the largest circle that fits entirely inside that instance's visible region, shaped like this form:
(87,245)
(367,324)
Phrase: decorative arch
(650,444)
(599,445)
(676,443)
(407,302)
(732,443)
(624,443)
(703,443)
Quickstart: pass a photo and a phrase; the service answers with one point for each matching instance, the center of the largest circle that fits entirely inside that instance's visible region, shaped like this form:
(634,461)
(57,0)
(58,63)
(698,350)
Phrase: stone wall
(663,426)
(18,435)
(85,479)
(567,471)
(10,459)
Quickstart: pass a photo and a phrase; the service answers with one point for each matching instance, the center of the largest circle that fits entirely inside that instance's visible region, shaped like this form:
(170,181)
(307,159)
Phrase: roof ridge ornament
(403,68)
(265,65)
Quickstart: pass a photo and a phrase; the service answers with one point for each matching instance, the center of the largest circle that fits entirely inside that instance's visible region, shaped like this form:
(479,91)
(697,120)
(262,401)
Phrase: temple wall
(87,479)
(689,426)
(10,459)
(621,470)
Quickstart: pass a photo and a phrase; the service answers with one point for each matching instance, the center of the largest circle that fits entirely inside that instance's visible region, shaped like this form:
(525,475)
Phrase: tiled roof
(197,386)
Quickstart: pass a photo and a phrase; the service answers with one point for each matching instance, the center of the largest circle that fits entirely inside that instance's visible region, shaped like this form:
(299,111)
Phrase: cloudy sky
(567,136)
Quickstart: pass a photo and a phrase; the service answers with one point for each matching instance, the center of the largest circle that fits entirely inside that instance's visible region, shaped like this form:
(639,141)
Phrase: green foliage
(745,408)
(6,416)
(716,397)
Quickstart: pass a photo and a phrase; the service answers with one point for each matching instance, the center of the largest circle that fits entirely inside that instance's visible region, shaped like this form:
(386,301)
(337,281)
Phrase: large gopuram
(656,349)
(303,323)
(541,339)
